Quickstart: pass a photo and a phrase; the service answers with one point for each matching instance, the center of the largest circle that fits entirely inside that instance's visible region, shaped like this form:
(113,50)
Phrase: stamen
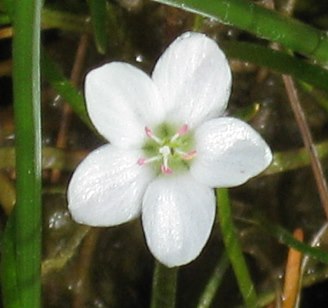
(148,131)
(142,161)
(186,155)
(182,131)
(166,170)
(152,136)
(189,155)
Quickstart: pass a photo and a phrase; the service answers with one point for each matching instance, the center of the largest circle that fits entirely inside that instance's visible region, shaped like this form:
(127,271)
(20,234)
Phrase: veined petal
(121,101)
(177,216)
(229,152)
(107,187)
(194,79)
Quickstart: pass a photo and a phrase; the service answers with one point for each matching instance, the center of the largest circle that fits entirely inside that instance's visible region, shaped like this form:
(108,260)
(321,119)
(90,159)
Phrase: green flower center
(168,149)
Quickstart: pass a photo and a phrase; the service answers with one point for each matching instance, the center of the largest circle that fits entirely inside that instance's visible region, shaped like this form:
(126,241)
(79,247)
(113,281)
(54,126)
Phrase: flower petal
(177,215)
(229,152)
(121,101)
(107,187)
(194,79)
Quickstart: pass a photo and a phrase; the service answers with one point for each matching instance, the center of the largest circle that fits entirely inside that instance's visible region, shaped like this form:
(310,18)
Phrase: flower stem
(234,251)
(164,286)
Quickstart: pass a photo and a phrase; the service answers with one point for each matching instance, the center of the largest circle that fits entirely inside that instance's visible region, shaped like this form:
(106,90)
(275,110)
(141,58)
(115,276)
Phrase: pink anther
(166,170)
(141,161)
(149,132)
(189,155)
(183,130)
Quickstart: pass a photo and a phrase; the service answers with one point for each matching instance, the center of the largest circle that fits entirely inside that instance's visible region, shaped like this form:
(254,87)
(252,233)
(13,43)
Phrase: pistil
(166,152)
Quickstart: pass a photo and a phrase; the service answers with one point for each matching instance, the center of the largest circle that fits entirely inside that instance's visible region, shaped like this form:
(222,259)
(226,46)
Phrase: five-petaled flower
(167,150)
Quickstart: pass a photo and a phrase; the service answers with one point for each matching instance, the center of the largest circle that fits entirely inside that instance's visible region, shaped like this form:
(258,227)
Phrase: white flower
(168,148)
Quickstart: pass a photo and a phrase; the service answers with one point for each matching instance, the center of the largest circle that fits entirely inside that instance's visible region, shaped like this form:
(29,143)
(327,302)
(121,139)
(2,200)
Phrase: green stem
(214,282)
(164,286)
(262,22)
(27,222)
(234,250)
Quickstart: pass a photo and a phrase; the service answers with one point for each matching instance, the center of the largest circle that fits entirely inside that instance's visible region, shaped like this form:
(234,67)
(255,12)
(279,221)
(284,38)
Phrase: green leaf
(27,220)
(278,61)
(234,250)
(262,22)
(285,237)
(206,300)
(65,21)
(98,12)
(64,88)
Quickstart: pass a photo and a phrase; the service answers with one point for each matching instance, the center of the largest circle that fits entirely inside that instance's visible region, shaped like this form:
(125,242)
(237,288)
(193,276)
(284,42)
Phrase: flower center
(168,149)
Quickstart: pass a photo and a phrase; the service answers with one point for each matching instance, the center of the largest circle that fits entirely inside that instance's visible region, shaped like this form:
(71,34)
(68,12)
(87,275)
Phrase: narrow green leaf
(285,237)
(278,61)
(98,11)
(64,88)
(262,22)
(207,298)
(65,21)
(234,250)
(26,79)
